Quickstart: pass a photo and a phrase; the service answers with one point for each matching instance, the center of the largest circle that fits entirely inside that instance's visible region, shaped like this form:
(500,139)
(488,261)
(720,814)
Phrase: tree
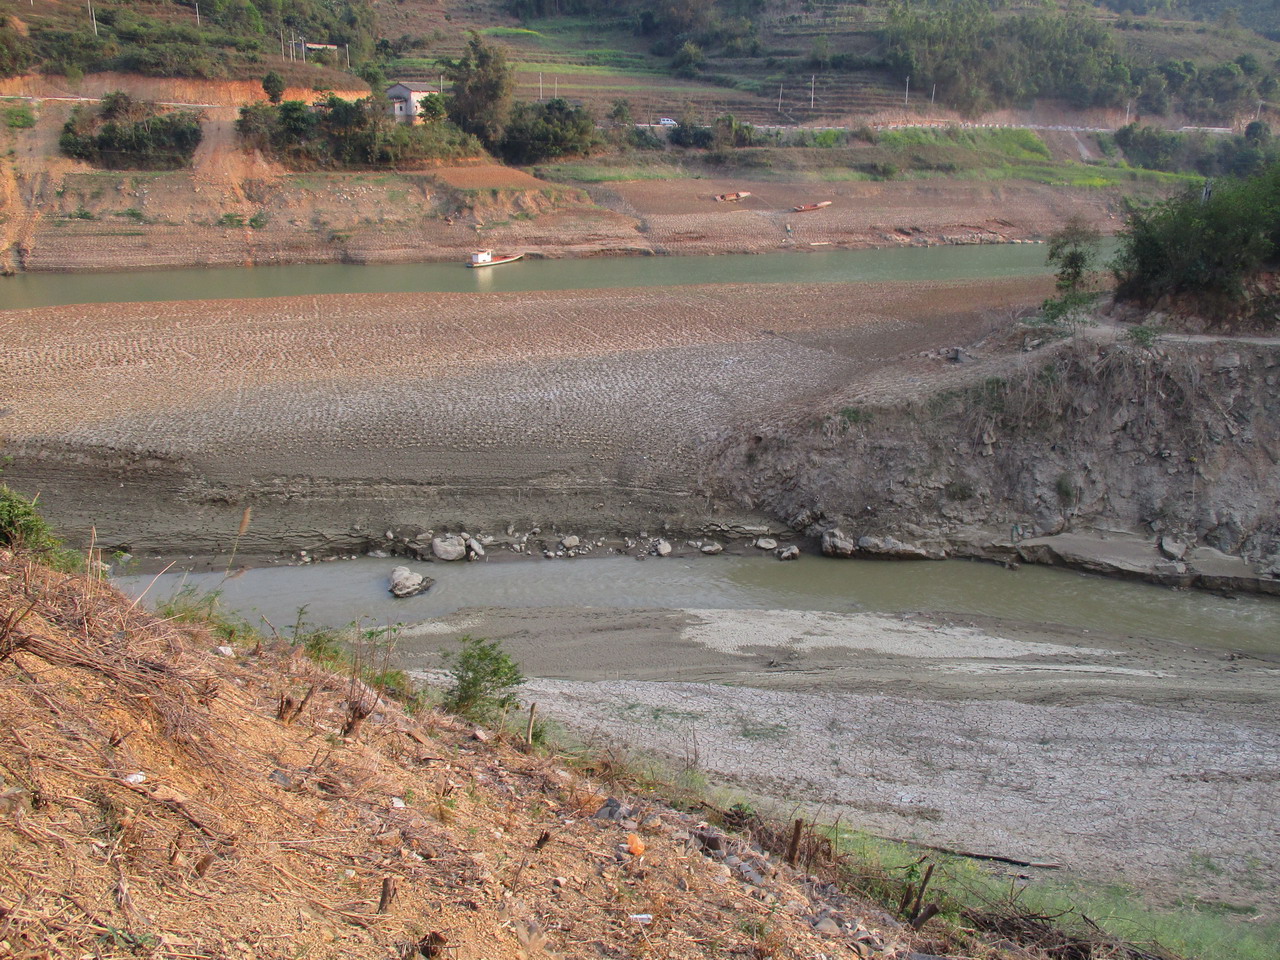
(620,113)
(484,678)
(273,86)
(543,131)
(482,90)
(689,59)
(1073,250)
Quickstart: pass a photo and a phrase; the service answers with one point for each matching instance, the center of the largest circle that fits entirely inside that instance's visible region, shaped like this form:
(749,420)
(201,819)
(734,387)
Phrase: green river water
(834,266)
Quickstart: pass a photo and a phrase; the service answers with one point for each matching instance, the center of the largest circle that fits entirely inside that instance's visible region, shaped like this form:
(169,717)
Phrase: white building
(406,99)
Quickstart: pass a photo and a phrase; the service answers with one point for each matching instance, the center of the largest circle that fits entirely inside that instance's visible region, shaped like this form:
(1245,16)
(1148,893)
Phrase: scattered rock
(449,548)
(767,543)
(475,550)
(13,798)
(788,553)
(827,926)
(224,651)
(1173,548)
(635,846)
(570,542)
(406,583)
(891,548)
(712,548)
(662,548)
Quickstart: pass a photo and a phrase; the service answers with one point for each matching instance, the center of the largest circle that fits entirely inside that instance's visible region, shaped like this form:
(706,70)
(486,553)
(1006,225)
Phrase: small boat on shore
(732,197)
(806,207)
(486,258)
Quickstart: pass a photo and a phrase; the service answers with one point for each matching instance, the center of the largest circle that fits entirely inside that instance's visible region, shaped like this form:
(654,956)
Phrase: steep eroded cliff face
(1181,438)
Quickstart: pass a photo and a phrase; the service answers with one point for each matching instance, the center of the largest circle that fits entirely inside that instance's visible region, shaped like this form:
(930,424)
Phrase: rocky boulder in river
(406,583)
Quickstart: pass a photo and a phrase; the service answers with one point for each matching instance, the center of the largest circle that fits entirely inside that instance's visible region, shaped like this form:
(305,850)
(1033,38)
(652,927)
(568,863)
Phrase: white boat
(486,258)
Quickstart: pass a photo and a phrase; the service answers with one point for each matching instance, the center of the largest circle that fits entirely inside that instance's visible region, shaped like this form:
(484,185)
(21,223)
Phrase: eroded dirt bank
(1021,444)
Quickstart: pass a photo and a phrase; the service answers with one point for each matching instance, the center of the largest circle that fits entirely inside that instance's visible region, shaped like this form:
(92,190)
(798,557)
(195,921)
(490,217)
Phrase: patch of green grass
(599,173)
(19,117)
(509,32)
(754,730)
(963,888)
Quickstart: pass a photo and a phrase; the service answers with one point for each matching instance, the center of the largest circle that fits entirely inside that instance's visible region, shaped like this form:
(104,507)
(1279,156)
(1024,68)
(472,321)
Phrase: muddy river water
(341,592)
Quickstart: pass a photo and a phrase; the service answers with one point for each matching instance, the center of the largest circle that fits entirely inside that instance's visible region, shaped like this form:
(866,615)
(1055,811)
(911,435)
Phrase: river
(30,290)
(341,592)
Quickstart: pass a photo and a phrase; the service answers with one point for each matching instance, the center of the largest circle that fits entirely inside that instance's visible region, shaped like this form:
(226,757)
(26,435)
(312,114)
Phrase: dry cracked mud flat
(156,423)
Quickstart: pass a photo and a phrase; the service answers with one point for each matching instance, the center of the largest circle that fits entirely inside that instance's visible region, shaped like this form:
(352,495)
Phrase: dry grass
(250,836)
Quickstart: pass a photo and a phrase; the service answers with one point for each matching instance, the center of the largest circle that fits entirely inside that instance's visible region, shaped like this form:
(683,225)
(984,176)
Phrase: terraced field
(596,63)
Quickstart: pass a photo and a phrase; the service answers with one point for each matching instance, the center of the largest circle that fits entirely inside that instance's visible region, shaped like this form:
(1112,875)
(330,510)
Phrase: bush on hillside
(484,678)
(1205,243)
(544,131)
(123,133)
(341,133)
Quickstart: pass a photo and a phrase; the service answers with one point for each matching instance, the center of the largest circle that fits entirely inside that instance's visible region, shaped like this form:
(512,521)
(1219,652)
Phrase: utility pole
(348,46)
(556,86)
(907,94)
(932,95)
(283,58)
(92,17)
(539,84)
(1127,105)
(779,98)
(813,79)
(197,13)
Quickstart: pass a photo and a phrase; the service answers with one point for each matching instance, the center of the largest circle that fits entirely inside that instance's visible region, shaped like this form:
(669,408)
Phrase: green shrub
(21,524)
(231,220)
(127,133)
(484,678)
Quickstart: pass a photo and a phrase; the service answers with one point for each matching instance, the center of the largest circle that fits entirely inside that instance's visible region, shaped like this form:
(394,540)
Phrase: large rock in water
(449,548)
(836,543)
(406,583)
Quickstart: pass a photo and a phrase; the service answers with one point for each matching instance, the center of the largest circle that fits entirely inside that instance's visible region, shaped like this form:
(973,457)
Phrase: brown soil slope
(151,803)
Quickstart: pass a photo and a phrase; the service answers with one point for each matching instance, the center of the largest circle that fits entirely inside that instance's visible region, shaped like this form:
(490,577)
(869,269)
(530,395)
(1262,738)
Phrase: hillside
(153,803)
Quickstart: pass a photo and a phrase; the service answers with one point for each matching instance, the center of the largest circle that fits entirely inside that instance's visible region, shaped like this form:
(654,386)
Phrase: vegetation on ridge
(122,132)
